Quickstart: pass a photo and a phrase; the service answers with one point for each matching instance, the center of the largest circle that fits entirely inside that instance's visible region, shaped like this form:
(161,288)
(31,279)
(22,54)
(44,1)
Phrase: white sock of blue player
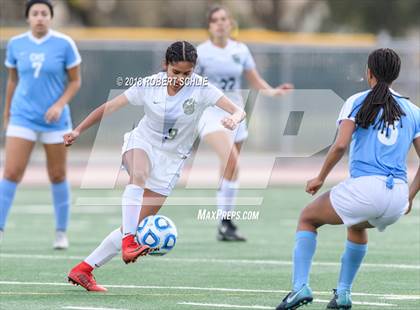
(350,263)
(107,250)
(131,206)
(61,200)
(305,246)
(7,194)
(226,195)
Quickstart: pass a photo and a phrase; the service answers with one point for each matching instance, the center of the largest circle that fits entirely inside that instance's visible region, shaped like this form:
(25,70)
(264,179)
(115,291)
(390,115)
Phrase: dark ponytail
(181,51)
(385,66)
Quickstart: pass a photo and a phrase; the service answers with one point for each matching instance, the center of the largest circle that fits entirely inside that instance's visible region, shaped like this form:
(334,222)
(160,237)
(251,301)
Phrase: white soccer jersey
(170,122)
(224,66)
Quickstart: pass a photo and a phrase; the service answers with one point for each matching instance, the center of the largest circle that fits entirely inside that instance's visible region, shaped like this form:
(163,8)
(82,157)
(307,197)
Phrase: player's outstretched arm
(237,114)
(336,152)
(415,185)
(257,82)
(95,116)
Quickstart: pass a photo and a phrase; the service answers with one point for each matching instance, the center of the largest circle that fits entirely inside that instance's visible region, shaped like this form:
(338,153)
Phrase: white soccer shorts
(367,198)
(165,167)
(45,137)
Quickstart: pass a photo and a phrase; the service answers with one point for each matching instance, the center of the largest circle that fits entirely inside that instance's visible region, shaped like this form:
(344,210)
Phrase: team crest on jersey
(37,57)
(189,106)
(236,58)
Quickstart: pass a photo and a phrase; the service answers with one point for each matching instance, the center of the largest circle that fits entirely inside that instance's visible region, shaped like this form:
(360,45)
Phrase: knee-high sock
(108,248)
(226,195)
(7,194)
(131,207)
(61,200)
(305,246)
(350,263)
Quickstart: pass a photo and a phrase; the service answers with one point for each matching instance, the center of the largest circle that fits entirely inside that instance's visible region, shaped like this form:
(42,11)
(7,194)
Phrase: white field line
(170,201)
(222,305)
(219,261)
(211,289)
(376,304)
(111,205)
(90,308)
(32,293)
(265,307)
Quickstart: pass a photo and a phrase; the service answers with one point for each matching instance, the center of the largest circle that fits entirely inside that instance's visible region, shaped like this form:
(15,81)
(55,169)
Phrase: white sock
(226,195)
(108,248)
(131,206)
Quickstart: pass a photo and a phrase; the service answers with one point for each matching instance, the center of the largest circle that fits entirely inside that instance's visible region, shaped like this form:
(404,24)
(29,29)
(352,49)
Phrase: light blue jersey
(41,65)
(372,152)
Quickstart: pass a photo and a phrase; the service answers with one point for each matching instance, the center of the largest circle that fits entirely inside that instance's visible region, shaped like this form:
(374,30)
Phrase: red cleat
(82,275)
(131,249)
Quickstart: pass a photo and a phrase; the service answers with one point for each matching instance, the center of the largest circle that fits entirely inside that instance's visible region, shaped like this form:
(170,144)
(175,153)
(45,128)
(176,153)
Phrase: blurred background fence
(339,67)
(314,44)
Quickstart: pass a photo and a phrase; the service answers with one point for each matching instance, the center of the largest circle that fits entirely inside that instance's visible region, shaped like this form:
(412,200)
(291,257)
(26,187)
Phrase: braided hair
(181,51)
(384,65)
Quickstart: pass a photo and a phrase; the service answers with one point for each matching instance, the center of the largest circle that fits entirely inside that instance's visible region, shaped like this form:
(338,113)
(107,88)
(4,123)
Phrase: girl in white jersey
(154,152)
(224,61)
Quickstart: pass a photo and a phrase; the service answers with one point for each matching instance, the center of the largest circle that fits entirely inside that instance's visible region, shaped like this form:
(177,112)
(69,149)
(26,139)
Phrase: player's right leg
(17,152)
(319,212)
(81,274)
(138,165)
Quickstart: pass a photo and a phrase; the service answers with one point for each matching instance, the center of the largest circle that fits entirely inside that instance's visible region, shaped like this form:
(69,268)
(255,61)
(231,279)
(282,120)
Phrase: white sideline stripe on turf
(218,289)
(40,256)
(170,201)
(285,263)
(221,261)
(90,308)
(376,304)
(111,205)
(222,305)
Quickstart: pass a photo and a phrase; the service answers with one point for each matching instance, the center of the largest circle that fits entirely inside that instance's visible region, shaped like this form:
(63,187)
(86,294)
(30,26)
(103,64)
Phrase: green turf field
(200,273)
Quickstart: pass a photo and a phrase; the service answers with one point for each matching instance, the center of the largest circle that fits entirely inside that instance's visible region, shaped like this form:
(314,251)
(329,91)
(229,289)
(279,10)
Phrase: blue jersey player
(43,76)
(379,125)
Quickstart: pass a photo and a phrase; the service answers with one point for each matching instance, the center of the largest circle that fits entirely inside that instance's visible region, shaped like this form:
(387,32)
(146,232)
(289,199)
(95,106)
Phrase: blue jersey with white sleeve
(373,151)
(41,66)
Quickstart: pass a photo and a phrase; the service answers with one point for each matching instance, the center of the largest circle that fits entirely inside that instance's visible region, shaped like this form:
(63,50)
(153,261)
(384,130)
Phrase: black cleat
(227,231)
(341,302)
(296,299)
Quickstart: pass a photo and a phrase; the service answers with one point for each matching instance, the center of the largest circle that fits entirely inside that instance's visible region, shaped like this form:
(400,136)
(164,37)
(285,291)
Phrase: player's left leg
(226,196)
(317,213)
(355,251)
(228,153)
(111,245)
(82,275)
(56,155)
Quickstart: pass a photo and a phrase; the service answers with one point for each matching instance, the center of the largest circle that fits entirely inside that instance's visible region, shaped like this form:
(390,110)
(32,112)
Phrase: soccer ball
(158,232)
